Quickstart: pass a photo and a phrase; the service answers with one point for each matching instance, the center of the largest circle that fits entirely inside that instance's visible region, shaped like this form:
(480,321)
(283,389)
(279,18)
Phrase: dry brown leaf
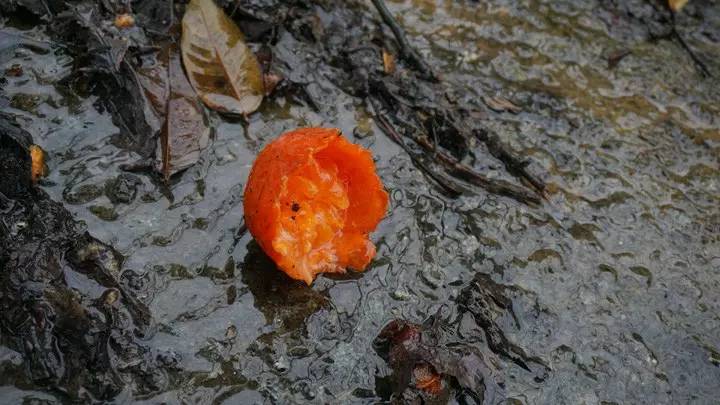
(38,168)
(677,5)
(500,104)
(221,68)
(270,81)
(184,132)
(388,62)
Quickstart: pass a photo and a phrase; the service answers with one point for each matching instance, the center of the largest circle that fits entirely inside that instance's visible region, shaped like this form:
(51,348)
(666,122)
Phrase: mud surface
(607,291)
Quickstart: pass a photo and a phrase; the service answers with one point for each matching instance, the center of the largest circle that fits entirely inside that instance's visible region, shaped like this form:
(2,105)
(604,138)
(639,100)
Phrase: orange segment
(311,200)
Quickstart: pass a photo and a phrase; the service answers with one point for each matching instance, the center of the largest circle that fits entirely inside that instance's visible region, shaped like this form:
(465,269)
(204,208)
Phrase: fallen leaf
(38,167)
(270,78)
(388,62)
(270,81)
(499,104)
(184,132)
(419,356)
(222,69)
(677,5)
(118,49)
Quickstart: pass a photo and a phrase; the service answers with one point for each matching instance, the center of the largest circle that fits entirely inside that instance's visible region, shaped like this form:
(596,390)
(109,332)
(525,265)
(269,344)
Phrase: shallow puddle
(617,274)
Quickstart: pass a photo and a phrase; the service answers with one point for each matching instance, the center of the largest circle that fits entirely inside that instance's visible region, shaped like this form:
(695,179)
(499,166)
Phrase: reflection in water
(285,302)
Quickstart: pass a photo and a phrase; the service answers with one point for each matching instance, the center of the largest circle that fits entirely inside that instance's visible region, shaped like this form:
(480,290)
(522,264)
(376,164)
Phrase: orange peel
(311,200)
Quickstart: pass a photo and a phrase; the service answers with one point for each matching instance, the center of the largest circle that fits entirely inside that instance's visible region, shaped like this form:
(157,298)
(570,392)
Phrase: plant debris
(184,132)
(72,340)
(677,5)
(388,62)
(222,69)
(429,358)
(500,104)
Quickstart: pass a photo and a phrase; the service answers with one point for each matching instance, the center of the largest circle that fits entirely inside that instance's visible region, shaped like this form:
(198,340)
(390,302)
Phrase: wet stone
(103,212)
(401,295)
(363,128)
(110,296)
(26,102)
(82,194)
(629,155)
(123,188)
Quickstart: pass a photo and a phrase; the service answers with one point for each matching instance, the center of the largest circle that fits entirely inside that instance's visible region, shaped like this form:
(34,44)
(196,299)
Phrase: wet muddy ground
(613,282)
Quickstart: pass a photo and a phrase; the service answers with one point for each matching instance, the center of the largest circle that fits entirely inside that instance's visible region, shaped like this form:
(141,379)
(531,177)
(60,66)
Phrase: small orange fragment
(124,20)
(427,379)
(388,62)
(38,168)
(677,5)
(311,200)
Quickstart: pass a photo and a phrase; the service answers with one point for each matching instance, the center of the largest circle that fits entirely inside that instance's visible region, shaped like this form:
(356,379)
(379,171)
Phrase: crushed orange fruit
(311,201)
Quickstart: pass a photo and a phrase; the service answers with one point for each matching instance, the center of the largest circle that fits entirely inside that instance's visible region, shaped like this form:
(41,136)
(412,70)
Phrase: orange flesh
(310,202)
(37,158)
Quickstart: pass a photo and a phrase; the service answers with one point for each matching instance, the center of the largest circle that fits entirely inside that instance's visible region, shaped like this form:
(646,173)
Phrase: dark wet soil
(118,286)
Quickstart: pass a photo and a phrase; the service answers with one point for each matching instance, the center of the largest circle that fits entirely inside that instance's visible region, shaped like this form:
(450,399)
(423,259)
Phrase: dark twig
(457,169)
(513,164)
(406,50)
(676,35)
(241,231)
(614,58)
(700,64)
(441,180)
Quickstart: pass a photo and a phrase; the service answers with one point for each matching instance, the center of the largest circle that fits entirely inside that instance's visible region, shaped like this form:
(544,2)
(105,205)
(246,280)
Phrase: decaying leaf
(499,104)
(270,81)
(184,132)
(38,167)
(388,62)
(417,360)
(676,5)
(222,69)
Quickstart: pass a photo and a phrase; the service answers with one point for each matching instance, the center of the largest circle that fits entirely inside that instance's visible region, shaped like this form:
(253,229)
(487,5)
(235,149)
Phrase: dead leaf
(38,167)
(118,49)
(417,358)
(270,81)
(184,132)
(499,104)
(677,5)
(221,68)
(388,62)
(15,70)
